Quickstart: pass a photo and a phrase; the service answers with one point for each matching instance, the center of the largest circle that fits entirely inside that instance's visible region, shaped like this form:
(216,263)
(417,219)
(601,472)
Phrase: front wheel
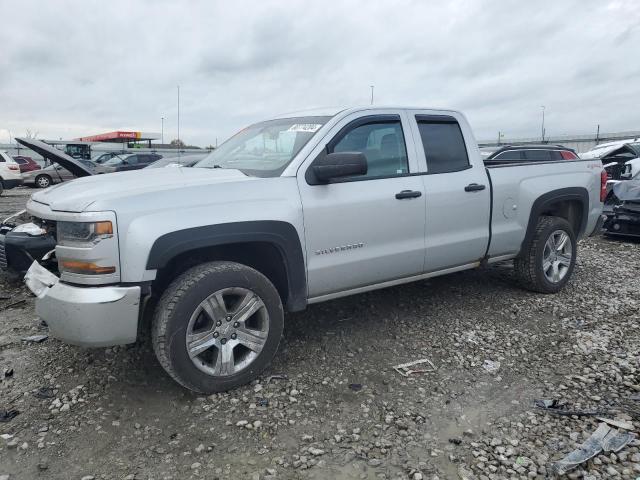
(217,326)
(547,261)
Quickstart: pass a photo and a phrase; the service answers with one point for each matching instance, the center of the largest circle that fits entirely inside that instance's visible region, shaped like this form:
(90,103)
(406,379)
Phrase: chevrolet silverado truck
(292,211)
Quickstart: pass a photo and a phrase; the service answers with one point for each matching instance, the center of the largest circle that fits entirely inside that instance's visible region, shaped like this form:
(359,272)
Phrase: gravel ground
(331,406)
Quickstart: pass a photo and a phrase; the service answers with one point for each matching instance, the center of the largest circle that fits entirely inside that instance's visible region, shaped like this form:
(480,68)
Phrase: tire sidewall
(556,224)
(234,276)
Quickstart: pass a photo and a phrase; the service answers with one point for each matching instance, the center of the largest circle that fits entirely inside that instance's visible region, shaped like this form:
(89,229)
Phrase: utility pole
(178,120)
(499,135)
(372,87)
(598,134)
(162,130)
(543,109)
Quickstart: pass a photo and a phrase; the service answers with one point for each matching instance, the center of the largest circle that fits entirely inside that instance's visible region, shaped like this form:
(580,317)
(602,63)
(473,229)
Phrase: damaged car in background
(617,157)
(24,239)
(622,210)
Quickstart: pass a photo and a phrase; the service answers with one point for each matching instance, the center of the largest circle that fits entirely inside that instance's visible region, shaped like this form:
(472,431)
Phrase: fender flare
(281,234)
(544,201)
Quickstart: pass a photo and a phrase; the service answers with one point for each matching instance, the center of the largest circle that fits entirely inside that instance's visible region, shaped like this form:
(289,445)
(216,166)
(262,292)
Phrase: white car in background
(10,175)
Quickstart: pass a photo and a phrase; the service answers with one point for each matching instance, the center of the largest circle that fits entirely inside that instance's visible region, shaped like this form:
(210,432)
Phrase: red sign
(110,136)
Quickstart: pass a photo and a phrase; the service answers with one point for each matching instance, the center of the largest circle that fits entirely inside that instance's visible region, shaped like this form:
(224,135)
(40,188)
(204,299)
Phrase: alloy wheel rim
(227,331)
(43,182)
(557,256)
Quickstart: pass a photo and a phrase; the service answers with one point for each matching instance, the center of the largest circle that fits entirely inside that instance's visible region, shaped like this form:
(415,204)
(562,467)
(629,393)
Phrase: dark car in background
(530,153)
(26,164)
(134,161)
(100,159)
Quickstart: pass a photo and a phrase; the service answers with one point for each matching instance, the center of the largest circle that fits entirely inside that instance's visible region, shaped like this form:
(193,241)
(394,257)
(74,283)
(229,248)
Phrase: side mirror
(339,165)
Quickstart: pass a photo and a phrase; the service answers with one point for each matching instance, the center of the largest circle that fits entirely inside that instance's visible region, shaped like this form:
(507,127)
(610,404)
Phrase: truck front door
(457,190)
(367,229)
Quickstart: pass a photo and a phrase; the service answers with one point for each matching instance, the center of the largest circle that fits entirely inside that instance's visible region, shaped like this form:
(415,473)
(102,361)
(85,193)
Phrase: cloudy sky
(73,68)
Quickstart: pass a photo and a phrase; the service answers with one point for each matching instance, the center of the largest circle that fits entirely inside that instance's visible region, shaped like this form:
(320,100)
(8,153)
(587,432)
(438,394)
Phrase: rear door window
(538,155)
(509,156)
(443,143)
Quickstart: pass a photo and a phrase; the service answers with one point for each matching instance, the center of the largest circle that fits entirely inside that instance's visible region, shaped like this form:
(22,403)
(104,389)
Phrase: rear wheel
(217,326)
(43,181)
(548,259)
(1,187)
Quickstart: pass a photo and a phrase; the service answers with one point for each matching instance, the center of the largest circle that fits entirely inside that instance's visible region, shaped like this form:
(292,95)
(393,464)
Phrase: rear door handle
(408,194)
(474,187)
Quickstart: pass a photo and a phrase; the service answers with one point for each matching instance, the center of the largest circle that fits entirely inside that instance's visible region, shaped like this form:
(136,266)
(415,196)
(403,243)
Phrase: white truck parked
(296,210)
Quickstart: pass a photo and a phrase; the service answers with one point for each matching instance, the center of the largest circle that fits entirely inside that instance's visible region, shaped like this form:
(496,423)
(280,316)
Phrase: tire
(541,268)
(191,306)
(1,187)
(43,181)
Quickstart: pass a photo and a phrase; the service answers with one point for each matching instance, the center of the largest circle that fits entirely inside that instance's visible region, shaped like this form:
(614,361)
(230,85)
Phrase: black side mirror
(338,165)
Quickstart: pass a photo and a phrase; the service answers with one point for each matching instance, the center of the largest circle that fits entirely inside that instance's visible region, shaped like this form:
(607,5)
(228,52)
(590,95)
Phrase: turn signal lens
(86,268)
(14,167)
(103,228)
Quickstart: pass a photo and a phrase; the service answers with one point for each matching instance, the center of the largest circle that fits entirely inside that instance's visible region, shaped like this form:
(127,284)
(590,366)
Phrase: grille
(3,256)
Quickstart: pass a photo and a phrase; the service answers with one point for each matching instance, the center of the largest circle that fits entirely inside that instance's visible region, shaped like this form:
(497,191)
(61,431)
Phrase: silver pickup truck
(293,211)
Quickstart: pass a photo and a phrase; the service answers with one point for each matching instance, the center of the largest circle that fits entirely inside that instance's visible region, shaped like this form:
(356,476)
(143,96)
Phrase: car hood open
(54,155)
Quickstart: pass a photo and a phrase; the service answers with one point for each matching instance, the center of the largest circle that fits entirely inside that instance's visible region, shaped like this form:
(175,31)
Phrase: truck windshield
(264,149)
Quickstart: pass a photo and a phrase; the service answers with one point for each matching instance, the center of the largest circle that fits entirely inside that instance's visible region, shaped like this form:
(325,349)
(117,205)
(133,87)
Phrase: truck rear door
(457,191)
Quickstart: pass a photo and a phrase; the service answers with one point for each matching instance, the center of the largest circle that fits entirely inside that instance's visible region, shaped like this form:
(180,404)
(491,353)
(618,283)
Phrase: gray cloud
(73,68)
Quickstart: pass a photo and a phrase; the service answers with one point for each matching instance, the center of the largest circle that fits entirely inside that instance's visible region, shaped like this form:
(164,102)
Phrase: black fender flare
(281,234)
(544,201)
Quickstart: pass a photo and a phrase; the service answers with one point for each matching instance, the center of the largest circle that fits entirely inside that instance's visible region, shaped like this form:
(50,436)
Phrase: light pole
(178,120)
(162,131)
(542,131)
(372,87)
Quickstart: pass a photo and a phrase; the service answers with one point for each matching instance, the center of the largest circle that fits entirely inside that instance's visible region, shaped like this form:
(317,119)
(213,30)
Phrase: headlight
(86,249)
(82,234)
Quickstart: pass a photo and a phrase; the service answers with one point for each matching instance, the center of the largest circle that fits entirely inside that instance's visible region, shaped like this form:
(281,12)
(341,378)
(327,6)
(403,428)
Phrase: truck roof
(332,111)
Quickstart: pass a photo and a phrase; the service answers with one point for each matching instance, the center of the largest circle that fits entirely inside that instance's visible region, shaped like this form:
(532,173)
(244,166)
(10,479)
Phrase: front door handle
(474,187)
(408,194)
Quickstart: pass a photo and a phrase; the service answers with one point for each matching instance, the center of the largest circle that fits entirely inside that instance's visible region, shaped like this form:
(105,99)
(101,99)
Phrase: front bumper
(85,316)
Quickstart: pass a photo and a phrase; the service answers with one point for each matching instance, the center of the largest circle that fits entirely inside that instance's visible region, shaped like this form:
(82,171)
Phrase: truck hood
(98,191)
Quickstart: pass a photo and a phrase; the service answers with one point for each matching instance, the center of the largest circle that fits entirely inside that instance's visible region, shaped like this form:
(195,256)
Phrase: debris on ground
(8,415)
(35,338)
(356,387)
(13,304)
(8,372)
(604,439)
(405,369)
(277,376)
(557,407)
(618,423)
(44,392)
(491,366)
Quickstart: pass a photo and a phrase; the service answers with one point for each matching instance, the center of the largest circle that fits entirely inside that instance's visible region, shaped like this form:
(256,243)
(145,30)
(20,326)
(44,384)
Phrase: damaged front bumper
(85,316)
(622,221)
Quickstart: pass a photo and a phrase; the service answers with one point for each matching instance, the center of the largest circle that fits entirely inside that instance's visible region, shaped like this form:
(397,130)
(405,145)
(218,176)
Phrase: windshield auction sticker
(305,127)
